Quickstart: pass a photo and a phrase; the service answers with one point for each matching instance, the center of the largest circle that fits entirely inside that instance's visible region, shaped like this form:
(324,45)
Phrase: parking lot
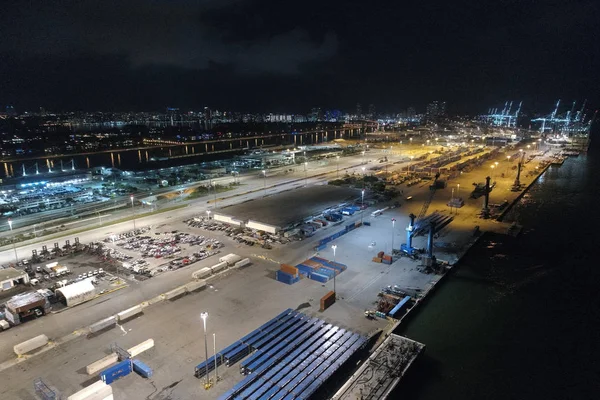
(152,251)
(247,236)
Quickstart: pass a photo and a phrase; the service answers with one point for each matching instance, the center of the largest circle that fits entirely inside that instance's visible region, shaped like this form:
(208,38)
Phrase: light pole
(214,186)
(133,213)
(204,316)
(458,190)
(13,241)
(215,353)
(337,166)
(362,205)
(208,214)
(507,164)
(334,247)
(265,181)
(363,170)
(493,172)
(393,226)
(305,174)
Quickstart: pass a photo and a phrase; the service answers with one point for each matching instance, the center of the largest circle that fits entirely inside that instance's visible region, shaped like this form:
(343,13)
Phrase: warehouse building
(76,293)
(286,210)
(9,277)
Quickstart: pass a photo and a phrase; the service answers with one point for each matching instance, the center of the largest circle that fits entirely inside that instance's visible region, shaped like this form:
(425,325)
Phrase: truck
(54,268)
(24,305)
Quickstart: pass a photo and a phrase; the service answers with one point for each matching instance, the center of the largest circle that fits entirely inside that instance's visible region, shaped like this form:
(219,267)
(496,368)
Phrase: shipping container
(327,301)
(289,269)
(399,309)
(319,277)
(113,373)
(142,369)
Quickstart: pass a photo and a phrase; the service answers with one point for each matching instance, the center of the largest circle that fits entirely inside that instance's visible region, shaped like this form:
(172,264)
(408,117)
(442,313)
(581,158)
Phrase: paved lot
(234,310)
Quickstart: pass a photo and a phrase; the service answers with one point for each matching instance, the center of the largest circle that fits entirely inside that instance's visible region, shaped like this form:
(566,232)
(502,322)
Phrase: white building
(77,293)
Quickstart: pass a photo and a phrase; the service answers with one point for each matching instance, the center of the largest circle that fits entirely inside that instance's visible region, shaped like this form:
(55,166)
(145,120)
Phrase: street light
(208,214)
(13,241)
(204,316)
(393,226)
(337,166)
(215,354)
(132,212)
(362,205)
(265,181)
(305,174)
(214,186)
(493,172)
(334,247)
(458,190)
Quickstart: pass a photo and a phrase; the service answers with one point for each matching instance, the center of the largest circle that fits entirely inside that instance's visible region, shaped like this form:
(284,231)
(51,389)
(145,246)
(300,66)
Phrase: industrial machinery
(517,185)
(433,224)
(485,211)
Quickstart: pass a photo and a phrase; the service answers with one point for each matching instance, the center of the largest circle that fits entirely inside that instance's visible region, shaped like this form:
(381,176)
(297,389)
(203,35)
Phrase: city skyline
(259,56)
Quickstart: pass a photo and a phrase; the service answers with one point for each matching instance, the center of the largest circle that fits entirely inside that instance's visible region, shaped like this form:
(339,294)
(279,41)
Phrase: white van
(34,282)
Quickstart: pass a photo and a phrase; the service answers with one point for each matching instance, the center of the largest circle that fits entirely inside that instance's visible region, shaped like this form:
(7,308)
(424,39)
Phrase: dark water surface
(520,318)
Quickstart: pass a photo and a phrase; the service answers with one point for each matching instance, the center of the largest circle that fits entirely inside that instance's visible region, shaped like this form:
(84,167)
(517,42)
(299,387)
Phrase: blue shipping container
(111,374)
(142,369)
(319,278)
(399,307)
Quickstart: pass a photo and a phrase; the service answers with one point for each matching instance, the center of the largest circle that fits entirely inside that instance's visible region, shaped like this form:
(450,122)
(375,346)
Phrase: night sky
(286,56)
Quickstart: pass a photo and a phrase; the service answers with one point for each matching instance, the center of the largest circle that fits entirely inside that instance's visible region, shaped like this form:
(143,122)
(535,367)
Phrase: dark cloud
(266,54)
(169,33)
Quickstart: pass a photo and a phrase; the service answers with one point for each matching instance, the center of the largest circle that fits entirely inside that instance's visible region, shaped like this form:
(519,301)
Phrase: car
(95,272)
(79,277)
(34,282)
(52,275)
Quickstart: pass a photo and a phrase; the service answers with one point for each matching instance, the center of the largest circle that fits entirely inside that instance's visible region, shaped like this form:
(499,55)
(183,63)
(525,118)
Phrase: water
(520,318)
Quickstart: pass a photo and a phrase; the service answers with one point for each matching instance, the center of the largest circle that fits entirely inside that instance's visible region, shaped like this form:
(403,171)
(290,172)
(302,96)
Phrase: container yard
(346,275)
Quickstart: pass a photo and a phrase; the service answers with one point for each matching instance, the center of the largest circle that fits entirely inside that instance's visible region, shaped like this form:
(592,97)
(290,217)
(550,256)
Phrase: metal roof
(77,293)
(10,273)
(23,299)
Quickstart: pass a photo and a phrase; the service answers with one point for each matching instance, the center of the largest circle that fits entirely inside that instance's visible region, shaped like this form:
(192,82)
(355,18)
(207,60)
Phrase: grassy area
(61,232)
(202,191)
